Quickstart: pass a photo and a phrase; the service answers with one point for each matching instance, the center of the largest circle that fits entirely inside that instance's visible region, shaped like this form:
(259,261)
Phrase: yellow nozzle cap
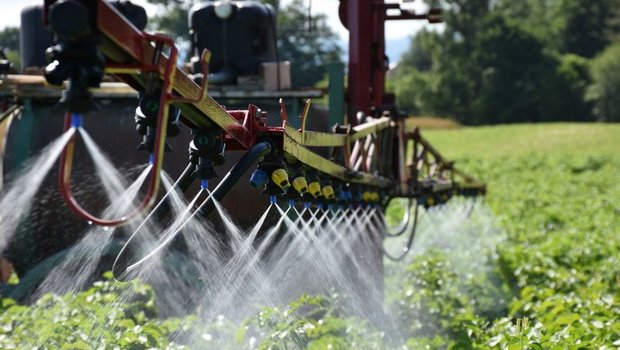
(280,178)
(315,189)
(300,184)
(328,192)
(366,196)
(375,196)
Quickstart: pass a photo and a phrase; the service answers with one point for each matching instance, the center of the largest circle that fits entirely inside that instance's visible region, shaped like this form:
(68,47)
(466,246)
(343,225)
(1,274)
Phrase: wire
(471,209)
(403,225)
(409,242)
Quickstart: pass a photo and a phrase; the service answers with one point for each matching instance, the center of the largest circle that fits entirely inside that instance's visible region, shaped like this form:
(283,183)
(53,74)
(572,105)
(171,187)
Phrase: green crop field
(555,190)
(551,282)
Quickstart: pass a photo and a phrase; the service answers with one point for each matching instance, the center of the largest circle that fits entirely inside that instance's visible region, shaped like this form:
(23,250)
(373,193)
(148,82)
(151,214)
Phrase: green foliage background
(514,61)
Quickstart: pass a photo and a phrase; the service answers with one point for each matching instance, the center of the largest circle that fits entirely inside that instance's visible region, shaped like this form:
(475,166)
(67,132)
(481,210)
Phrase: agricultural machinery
(252,141)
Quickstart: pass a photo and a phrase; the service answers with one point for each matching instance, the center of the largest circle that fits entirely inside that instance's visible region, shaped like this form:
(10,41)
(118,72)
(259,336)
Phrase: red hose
(66,157)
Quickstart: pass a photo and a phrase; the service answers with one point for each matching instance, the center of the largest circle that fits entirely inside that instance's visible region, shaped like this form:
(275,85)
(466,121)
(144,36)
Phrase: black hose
(409,242)
(403,225)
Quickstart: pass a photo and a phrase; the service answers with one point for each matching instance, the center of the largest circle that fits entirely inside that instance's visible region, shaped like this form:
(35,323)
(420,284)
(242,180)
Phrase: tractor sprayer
(368,156)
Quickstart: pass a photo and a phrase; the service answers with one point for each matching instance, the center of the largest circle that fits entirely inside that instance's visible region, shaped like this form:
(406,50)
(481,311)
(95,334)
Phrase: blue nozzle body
(291,202)
(307,205)
(272,199)
(152,158)
(76,120)
(204,184)
(259,178)
(348,195)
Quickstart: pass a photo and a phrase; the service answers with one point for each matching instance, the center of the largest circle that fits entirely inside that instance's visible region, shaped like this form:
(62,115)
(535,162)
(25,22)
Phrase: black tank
(34,38)
(239,34)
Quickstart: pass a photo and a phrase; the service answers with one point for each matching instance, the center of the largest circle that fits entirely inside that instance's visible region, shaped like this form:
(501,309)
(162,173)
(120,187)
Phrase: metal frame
(129,53)
(365,20)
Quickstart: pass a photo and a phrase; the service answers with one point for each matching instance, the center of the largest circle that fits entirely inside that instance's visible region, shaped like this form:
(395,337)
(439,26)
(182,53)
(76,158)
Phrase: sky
(10,16)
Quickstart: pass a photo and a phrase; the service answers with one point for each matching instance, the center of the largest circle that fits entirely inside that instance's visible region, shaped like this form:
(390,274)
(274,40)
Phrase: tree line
(505,61)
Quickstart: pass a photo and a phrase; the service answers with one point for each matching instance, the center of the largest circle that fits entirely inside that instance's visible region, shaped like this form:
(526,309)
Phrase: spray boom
(371,161)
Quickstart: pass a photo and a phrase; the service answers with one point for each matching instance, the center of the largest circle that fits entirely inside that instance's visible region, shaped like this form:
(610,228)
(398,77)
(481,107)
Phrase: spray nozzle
(328,192)
(366,196)
(259,178)
(76,120)
(315,189)
(280,178)
(206,150)
(300,184)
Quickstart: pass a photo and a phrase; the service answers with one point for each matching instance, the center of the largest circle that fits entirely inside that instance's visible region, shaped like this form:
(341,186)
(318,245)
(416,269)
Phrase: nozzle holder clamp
(205,151)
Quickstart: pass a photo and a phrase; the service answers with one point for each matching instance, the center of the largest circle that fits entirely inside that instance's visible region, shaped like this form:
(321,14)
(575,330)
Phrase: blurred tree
(172,19)
(308,45)
(482,68)
(585,25)
(9,38)
(420,52)
(497,61)
(563,89)
(9,41)
(605,88)
(566,26)
(613,23)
